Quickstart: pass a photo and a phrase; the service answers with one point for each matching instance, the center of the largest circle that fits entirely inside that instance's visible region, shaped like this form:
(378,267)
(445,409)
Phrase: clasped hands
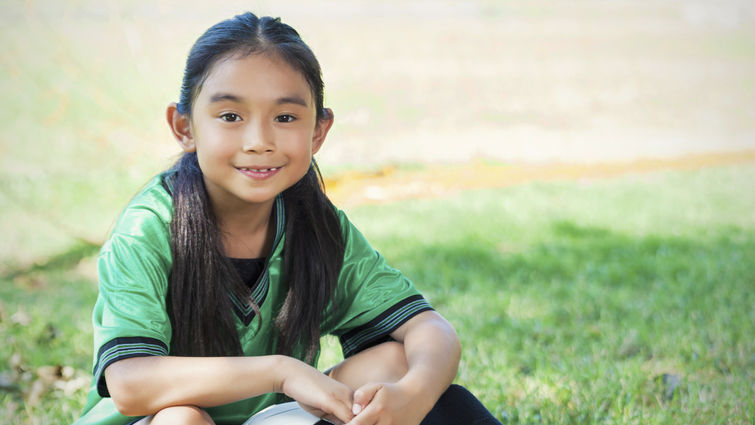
(371,404)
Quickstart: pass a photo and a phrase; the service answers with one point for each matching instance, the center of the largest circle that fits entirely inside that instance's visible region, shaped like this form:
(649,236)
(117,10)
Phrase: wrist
(280,368)
(421,390)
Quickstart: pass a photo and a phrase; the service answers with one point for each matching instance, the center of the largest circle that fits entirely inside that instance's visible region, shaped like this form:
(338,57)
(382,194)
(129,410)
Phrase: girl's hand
(315,392)
(388,404)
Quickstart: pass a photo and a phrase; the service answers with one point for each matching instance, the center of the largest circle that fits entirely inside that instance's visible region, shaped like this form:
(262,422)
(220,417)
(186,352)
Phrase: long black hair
(202,278)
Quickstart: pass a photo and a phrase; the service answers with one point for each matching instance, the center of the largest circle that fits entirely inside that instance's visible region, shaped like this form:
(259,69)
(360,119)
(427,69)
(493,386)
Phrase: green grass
(573,299)
(576,302)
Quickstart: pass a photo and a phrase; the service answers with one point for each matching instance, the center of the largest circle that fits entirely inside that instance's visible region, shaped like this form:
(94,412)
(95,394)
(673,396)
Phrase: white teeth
(260,170)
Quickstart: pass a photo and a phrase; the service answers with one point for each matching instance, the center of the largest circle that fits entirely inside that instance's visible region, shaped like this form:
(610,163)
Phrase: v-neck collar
(243,309)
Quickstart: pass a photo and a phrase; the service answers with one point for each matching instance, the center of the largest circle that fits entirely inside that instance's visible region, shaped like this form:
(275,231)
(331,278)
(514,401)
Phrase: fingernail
(356,409)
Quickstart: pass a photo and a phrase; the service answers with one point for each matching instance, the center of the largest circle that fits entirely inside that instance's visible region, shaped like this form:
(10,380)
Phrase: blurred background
(430,98)
(85,84)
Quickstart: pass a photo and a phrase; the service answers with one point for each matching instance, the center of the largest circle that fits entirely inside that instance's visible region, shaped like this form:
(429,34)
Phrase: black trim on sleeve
(378,329)
(124,348)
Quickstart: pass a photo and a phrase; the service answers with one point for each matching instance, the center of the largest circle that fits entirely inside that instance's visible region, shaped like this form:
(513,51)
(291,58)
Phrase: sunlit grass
(573,299)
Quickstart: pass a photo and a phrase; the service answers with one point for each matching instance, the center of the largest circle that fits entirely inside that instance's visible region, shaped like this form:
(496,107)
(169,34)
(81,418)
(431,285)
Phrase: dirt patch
(393,184)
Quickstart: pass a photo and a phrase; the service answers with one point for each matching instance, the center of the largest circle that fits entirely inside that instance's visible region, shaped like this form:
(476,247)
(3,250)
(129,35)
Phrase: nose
(258,138)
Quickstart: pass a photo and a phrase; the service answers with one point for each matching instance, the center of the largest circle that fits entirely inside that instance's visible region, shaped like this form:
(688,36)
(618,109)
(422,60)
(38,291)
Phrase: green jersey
(131,320)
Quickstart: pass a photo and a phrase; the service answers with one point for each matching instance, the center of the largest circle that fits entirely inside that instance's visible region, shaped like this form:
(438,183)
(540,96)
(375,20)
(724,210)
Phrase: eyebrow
(295,99)
(220,97)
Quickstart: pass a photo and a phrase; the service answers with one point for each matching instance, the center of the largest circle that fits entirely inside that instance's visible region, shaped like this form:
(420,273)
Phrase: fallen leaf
(49,374)
(21,318)
(38,389)
(72,386)
(67,372)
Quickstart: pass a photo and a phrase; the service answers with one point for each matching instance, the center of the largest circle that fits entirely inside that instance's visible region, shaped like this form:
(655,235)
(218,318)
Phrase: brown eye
(285,118)
(230,117)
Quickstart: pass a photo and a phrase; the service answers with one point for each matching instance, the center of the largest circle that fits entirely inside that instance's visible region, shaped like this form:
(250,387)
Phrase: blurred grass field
(623,300)
(86,83)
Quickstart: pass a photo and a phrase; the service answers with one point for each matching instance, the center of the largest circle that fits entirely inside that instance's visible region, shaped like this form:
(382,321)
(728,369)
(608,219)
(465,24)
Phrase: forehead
(256,77)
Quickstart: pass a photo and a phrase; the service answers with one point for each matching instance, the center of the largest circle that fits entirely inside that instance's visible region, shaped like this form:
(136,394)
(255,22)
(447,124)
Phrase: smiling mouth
(259,174)
(260,170)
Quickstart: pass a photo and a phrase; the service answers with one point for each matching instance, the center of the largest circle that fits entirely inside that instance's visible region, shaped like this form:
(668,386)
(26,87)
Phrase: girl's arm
(143,386)
(432,352)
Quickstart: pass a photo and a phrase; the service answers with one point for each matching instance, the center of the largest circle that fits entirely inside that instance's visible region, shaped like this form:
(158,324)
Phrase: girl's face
(254,129)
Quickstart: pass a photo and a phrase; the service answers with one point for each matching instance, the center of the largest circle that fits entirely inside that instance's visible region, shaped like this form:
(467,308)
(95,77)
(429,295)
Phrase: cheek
(299,142)
(213,142)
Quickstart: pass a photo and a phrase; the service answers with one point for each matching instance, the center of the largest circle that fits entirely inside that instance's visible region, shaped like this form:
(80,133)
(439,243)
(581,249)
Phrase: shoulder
(346,225)
(152,204)
(145,222)
(356,242)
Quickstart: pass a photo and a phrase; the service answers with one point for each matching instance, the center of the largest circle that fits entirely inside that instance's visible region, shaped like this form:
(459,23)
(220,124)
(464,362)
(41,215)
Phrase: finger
(368,416)
(341,409)
(322,414)
(363,396)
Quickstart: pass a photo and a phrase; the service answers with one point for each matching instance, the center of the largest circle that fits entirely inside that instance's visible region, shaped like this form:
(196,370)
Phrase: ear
(321,130)
(180,125)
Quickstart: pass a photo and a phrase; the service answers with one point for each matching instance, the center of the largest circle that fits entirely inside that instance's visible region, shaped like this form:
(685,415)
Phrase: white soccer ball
(285,414)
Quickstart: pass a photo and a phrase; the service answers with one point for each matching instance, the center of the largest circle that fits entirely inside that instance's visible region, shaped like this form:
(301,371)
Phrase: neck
(248,232)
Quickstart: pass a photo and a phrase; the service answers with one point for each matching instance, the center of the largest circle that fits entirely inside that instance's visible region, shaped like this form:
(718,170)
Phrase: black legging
(457,406)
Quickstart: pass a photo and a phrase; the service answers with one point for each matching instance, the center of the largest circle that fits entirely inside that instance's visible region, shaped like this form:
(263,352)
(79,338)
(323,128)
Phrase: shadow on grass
(66,259)
(595,256)
(572,311)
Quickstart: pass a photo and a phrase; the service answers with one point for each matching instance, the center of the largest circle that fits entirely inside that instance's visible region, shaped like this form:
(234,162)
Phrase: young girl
(221,275)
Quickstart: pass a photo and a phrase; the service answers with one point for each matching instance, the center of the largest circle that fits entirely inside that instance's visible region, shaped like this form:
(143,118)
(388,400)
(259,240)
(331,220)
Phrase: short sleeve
(372,299)
(130,317)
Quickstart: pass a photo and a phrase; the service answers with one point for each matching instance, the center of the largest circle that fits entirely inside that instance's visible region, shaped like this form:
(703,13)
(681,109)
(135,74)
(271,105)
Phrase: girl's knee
(190,415)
